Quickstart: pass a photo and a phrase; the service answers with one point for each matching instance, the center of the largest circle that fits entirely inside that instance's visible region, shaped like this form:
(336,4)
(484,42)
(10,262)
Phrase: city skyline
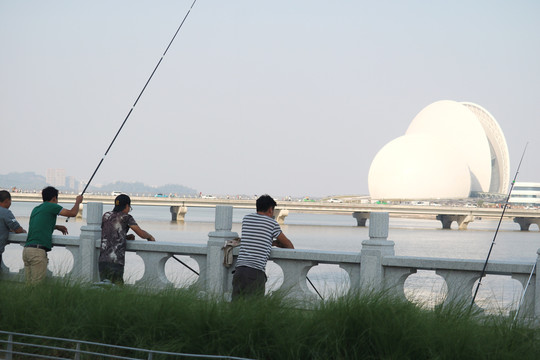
(268,97)
(32,182)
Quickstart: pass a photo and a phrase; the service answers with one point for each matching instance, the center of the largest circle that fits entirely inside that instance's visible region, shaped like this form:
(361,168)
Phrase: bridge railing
(374,267)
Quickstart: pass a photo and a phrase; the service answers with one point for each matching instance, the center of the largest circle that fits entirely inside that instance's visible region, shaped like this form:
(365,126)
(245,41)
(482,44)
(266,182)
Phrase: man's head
(120,203)
(265,203)
(5,199)
(49,193)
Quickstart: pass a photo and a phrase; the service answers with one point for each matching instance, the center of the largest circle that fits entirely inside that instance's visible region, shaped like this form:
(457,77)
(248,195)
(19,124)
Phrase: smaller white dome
(418,166)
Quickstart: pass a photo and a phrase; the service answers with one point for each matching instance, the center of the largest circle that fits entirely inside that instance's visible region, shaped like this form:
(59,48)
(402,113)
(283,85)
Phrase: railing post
(9,347)
(373,250)
(537,289)
(88,254)
(217,275)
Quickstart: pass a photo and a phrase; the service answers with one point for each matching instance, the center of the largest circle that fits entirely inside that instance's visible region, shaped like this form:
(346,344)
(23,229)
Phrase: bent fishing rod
(483,273)
(138,97)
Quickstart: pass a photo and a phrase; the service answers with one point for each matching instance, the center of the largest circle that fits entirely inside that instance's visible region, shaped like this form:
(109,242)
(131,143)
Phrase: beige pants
(35,264)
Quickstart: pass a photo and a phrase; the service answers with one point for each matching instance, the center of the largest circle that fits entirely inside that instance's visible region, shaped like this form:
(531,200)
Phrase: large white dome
(449,150)
(403,169)
(458,126)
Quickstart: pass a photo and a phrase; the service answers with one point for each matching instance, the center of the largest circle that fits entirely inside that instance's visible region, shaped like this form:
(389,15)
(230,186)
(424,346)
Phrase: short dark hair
(120,202)
(49,193)
(4,195)
(265,202)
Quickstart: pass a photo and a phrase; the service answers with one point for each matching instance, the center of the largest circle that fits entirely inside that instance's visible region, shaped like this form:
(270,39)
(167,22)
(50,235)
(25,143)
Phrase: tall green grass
(370,326)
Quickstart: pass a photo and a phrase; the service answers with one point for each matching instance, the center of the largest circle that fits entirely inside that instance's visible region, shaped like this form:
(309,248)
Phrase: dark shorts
(248,282)
(112,272)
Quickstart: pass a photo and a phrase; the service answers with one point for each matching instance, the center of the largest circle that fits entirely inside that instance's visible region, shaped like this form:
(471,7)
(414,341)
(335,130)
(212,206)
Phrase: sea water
(412,237)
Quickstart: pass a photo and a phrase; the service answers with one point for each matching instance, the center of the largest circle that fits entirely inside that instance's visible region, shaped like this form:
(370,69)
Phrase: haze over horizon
(255,97)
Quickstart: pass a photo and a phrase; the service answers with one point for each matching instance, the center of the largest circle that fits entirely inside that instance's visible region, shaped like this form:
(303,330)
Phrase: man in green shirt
(39,239)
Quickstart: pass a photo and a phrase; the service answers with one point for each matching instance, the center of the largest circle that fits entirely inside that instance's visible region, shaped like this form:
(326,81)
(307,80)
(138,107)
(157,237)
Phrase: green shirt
(42,223)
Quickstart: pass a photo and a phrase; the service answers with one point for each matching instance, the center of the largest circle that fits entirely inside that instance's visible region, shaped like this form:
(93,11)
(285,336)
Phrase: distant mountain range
(29,181)
(25,180)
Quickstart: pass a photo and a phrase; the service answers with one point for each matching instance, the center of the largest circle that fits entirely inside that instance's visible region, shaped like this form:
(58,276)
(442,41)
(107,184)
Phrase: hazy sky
(286,97)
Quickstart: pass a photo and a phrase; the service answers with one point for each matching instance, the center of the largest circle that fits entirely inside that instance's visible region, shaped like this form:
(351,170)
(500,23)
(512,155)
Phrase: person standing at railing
(39,239)
(258,233)
(114,227)
(8,223)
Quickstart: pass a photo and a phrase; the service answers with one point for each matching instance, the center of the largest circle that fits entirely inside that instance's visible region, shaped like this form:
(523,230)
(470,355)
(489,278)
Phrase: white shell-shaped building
(450,150)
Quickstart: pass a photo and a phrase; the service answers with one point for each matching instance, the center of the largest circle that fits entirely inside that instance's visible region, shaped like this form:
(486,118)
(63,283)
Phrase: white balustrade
(374,267)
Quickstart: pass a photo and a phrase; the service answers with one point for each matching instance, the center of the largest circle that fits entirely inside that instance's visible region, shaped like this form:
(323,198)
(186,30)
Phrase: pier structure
(373,267)
(179,207)
(462,220)
(525,222)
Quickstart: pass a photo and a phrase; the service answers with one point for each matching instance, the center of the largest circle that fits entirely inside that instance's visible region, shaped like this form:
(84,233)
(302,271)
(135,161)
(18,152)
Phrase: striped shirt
(258,232)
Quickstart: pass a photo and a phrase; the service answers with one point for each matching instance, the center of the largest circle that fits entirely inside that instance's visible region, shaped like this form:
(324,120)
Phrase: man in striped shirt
(258,233)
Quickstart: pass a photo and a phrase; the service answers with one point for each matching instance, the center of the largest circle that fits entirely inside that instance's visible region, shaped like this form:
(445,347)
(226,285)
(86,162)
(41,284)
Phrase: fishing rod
(138,97)
(483,273)
(314,288)
(183,263)
(186,265)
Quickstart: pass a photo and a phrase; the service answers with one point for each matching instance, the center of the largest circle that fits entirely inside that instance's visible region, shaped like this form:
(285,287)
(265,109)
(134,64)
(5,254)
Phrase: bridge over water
(361,212)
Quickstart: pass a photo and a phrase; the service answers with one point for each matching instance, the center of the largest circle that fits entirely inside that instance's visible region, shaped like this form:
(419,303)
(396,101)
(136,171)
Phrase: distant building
(73,184)
(451,150)
(525,193)
(56,177)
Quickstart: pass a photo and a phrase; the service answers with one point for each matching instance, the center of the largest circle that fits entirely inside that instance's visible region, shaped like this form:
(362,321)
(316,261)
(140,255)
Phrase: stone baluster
(295,277)
(460,286)
(154,269)
(526,310)
(85,267)
(218,278)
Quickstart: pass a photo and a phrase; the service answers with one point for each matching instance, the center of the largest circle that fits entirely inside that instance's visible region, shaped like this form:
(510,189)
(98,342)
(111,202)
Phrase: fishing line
(524,292)
(137,100)
(483,273)
(138,97)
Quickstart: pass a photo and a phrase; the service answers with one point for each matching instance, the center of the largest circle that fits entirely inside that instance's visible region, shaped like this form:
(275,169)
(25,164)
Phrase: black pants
(248,282)
(112,272)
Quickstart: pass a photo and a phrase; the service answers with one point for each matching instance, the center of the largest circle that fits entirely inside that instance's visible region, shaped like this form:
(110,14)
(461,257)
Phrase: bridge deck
(299,206)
